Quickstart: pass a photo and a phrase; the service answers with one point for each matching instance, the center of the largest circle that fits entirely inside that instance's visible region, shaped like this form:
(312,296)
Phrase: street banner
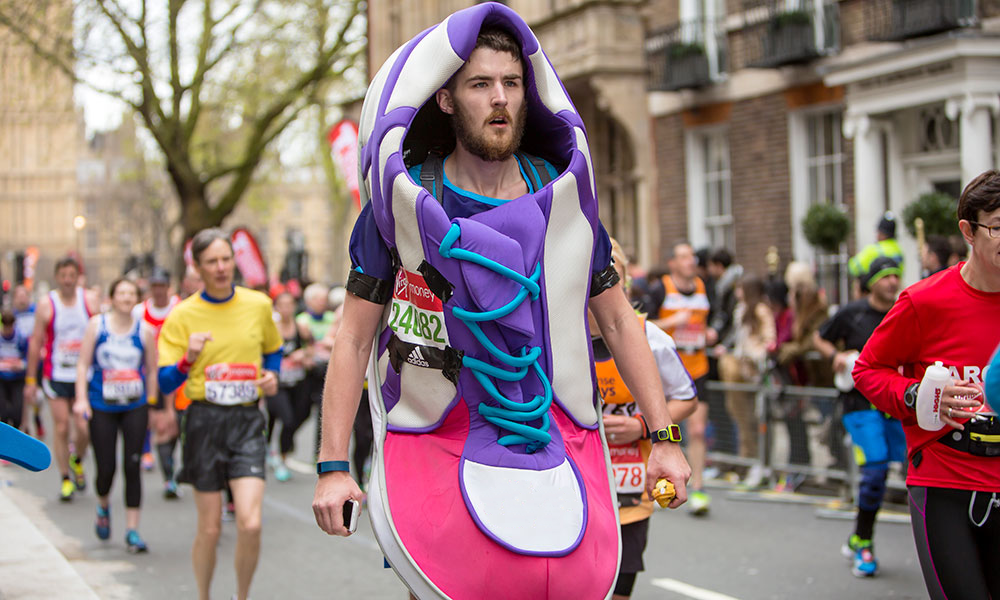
(248,258)
(30,260)
(344,144)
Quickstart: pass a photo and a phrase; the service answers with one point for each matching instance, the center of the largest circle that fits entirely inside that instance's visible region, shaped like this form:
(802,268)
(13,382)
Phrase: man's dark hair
(67,261)
(982,194)
(7,317)
(721,256)
(204,238)
(499,39)
(940,246)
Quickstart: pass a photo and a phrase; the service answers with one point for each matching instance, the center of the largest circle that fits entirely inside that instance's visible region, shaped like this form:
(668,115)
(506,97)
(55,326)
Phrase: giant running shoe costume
(491,477)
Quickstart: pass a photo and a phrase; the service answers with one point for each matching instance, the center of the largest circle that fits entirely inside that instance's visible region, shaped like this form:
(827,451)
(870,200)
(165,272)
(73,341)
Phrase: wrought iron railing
(689,54)
(904,19)
(782,32)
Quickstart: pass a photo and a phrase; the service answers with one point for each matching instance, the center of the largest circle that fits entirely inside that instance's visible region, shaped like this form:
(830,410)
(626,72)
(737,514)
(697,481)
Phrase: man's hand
(620,429)
(840,361)
(196,343)
(332,491)
(164,423)
(668,462)
(711,337)
(30,394)
(961,401)
(268,383)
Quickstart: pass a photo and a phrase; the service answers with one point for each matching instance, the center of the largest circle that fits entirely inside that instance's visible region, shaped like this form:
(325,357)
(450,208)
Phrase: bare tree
(215,82)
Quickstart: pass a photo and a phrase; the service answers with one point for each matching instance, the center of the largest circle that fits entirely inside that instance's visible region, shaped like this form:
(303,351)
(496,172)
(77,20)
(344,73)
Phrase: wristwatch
(910,396)
(667,434)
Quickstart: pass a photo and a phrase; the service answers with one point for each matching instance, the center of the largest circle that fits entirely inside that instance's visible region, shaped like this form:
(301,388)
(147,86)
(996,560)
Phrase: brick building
(775,105)
(722,121)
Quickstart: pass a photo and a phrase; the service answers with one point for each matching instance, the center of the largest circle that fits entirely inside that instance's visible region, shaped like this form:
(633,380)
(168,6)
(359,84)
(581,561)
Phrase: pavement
(30,565)
(752,546)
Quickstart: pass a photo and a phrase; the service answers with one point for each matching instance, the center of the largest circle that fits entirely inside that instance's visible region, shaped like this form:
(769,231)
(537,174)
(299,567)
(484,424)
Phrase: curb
(30,566)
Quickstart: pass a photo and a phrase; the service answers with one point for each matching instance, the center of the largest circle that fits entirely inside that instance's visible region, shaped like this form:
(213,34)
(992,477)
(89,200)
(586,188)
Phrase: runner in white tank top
(59,325)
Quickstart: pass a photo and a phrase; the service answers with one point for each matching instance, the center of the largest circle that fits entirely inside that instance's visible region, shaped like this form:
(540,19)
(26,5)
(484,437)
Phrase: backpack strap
(432,175)
(539,175)
(432,172)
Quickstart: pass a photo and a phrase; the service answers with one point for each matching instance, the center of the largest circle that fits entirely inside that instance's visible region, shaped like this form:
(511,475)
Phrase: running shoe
(698,502)
(228,512)
(76,467)
(170,490)
(134,542)
(862,553)
(66,490)
(103,525)
(281,472)
(148,462)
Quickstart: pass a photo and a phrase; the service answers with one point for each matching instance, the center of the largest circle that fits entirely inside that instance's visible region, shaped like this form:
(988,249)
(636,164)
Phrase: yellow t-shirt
(242,328)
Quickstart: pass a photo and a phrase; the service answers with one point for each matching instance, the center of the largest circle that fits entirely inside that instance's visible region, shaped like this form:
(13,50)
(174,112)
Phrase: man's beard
(485,145)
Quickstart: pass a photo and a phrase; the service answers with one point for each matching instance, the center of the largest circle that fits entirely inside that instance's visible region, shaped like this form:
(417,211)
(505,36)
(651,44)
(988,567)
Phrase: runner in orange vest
(684,316)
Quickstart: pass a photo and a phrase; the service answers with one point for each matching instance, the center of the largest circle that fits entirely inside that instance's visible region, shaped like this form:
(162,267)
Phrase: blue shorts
(877,438)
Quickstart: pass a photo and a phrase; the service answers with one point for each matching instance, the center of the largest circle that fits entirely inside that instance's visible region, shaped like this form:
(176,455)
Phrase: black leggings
(104,427)
(11,402)
(959,559)
(282,407)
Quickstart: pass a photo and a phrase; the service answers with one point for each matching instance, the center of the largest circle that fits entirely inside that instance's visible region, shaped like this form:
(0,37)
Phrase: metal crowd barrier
(799,435)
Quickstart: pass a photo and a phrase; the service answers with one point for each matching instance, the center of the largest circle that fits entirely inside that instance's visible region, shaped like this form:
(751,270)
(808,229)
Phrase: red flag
(248,258)
(344,144)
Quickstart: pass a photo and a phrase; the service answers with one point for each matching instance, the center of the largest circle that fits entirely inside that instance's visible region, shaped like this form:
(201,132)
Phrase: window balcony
(784,32)
(913,18)
(690,54)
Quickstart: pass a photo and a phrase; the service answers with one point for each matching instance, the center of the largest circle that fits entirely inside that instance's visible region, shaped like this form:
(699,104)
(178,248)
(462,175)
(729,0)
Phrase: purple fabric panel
(464,26)
(487,532)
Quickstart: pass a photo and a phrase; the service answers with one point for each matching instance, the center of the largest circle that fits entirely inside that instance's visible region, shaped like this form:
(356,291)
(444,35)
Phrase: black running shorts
(221,443)
(633,545)
(59,389)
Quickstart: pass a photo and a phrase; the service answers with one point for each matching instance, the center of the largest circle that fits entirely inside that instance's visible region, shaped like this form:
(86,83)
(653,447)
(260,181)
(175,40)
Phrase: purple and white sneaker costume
(490,476)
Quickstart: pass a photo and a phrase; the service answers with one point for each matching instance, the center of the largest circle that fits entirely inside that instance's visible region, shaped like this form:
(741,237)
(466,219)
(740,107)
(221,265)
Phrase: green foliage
(684,50)
(792,17)
(937,209)
(826,227)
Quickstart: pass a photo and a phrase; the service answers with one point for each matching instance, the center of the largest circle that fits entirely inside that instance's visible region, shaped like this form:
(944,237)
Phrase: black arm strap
(369,288)
(438,284)
(604,280)
(448,360)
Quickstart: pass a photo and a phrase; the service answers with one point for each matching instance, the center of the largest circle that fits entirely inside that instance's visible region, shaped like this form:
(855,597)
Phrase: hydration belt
(981,437)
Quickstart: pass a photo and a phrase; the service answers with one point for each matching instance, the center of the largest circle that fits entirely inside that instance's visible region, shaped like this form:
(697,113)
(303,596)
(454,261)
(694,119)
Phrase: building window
(710,204)
(817,170)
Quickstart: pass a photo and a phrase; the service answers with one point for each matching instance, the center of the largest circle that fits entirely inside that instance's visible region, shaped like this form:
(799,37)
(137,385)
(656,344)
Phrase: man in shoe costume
(472,273)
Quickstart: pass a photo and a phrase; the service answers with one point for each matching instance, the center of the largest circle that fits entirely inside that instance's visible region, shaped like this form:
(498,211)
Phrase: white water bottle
(929,395)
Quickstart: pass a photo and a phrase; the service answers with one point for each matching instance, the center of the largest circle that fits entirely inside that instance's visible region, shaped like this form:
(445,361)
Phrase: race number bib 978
(416,314)
(120,385)
(629,468)
(231,383)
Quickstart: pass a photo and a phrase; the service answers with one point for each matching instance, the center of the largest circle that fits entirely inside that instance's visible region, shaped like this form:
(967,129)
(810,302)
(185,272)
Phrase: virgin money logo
(400,289)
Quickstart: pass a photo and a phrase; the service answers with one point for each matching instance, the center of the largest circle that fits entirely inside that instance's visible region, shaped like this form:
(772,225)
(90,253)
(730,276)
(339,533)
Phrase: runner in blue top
(115,373)
(13,358)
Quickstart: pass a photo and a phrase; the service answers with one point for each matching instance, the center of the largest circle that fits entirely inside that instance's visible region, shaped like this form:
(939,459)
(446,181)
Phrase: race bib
(291,372)
(231,383)
(121,385)
(11,364)
(66,353)
(416,314)
(629,468)
(690,337)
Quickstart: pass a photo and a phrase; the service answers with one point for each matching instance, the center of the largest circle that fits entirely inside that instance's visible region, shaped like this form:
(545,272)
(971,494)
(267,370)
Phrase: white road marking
(686,589)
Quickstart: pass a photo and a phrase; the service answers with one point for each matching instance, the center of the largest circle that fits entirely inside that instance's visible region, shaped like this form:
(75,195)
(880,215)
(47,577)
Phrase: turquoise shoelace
(509,415)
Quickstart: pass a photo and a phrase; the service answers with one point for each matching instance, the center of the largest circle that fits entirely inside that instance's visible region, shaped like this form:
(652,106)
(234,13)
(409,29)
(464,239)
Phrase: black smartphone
(352,510)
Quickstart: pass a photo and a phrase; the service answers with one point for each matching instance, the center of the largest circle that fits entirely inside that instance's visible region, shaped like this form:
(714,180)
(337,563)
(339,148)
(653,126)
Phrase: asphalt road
(751,547)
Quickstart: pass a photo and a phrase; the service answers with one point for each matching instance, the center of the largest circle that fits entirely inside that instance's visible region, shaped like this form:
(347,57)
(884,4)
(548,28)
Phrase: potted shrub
(937,209)
(826,227)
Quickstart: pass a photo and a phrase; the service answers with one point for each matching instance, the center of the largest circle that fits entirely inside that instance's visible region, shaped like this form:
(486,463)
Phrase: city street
(758,549)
